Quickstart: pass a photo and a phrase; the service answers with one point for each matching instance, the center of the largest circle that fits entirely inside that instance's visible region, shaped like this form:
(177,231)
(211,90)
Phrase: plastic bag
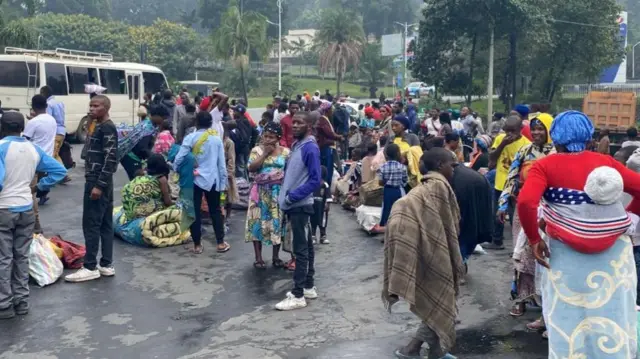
(44,266)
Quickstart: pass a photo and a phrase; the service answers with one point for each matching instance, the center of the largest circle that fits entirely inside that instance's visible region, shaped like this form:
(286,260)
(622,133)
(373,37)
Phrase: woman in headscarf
(135,146)
(401,136)
(326,137)
(422,261)
(385,124)
(264,217)
(481,158)
(524,262)
(588,284)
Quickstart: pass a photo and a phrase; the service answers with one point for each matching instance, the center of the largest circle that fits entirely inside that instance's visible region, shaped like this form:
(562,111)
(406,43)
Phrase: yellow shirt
(506,158)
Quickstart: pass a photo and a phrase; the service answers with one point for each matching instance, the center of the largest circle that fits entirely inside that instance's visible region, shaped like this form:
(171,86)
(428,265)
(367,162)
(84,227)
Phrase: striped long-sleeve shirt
(101,161)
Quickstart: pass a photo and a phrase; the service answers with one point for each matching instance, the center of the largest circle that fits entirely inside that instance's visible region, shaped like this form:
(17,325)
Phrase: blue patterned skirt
(589,302)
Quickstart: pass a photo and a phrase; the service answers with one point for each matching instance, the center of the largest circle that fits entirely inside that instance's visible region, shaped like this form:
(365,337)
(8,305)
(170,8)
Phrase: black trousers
(302,249)
(97,226)
(319,218)
(213,202)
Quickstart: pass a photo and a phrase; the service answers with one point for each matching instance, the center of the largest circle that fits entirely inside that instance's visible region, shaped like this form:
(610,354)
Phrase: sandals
(278,263)
(224,248)
(291,265)
(197,249)
(259,265)
(536,325)
(518,310)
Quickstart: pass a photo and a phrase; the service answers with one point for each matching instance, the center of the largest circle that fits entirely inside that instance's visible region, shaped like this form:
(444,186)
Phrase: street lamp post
(633,61)
(404,50)
(279,25)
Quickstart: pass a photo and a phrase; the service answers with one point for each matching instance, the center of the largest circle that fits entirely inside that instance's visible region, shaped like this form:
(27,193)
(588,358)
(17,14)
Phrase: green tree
(238,36)
(83,32)
(299,48)
(211,13)
(374,67)
(13,32)
(289,87)
(339,42)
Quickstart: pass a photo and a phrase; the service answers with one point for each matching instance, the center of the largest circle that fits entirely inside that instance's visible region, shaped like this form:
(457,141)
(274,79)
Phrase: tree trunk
(244,85)
(338,80)
(514,70)
(472,60)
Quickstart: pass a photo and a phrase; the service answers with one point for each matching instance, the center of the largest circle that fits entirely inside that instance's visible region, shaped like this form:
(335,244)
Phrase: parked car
(352,109)
(419,89)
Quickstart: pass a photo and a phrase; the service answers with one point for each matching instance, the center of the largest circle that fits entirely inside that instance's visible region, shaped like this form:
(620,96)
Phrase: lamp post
(404,50)
(633,61)
(279,25)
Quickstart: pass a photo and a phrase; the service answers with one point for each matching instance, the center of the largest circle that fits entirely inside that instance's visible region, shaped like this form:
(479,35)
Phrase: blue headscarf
(572,129)
(523,110)
(404,120)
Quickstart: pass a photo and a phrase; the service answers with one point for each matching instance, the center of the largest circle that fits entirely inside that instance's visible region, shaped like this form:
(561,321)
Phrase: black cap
(12,121)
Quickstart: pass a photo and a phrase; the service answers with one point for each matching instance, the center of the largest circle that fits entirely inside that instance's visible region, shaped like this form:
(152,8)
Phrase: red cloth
(325,136)
(569,171)
(204,105)
(368,111)
(376,115)
(72,253)
(251,121)
(287,131)
(526,130)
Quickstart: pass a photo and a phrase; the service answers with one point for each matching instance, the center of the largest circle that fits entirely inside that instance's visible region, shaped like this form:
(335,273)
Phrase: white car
(419,89)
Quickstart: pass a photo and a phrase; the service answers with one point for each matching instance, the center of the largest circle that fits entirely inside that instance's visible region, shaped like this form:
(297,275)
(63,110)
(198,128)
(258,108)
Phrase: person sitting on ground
(320,216)
(355,137)
(423,228)
(393,176)
(632,134)
(368,173)
(20,160)
(379,159)
(143,196)
(164,139)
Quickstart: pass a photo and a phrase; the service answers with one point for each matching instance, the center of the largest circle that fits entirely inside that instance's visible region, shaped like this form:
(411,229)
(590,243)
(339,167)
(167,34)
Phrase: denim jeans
(326,159)
(213,202)
(97,226)
(302,249)
(636,256)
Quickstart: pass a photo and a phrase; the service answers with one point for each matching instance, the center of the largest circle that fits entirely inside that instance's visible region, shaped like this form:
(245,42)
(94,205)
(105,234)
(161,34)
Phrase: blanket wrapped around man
(422,261)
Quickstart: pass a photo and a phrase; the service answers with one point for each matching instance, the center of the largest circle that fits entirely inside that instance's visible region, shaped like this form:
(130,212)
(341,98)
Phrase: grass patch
(259,102)
(267,85)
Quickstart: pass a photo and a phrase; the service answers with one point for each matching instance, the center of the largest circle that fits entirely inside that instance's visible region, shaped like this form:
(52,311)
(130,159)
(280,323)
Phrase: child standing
(321,210)
(393,176)
(165,140)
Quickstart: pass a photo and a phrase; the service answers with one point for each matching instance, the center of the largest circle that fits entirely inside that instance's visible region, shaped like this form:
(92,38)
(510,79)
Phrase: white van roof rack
(62,54)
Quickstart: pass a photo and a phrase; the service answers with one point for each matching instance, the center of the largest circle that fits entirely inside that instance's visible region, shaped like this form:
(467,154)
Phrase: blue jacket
(301,176)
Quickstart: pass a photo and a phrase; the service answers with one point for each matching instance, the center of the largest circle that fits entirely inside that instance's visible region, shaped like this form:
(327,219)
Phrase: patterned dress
(142,197)
(264,217)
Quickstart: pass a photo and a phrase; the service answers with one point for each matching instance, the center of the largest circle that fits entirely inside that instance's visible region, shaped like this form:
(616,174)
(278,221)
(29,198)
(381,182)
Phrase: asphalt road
(168,303)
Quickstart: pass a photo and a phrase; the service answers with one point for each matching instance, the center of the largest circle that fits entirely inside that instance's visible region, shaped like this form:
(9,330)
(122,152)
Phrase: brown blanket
(422,261)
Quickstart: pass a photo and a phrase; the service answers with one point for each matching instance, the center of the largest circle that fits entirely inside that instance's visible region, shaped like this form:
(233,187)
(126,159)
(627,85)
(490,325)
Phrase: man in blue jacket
(302,177)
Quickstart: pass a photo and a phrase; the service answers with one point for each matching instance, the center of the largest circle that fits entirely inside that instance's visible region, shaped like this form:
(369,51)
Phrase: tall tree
(374,67)
(339,41)
(238,36)
(211,12)
(14,32)
(299,48)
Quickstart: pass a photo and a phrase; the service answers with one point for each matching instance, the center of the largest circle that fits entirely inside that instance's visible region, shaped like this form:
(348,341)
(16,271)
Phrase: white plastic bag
(44,265)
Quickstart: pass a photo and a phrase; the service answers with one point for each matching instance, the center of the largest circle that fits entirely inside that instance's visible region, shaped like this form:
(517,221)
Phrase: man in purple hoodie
(302,177)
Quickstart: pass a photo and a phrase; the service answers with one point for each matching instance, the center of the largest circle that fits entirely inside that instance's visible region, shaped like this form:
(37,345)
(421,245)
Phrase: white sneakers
(85,275)
(311,293)
(291,302)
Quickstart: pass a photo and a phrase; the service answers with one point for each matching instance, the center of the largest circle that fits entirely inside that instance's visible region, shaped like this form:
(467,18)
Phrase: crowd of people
(445,185)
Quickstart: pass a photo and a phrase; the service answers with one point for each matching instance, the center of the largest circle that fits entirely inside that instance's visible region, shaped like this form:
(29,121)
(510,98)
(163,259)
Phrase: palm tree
(374,67)
(239,36)
(299,48)
(339,42)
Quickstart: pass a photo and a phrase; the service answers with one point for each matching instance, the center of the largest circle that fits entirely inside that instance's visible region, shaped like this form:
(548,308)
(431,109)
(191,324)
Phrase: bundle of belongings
(368,217)
(244,188)
(157,230)
(49,257)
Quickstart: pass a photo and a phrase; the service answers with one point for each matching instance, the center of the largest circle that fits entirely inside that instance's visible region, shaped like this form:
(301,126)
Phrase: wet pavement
(169,303)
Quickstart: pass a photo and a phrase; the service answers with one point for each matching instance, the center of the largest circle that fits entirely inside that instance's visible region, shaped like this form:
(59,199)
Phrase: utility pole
(279,25)
(404,51)
(490,80)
